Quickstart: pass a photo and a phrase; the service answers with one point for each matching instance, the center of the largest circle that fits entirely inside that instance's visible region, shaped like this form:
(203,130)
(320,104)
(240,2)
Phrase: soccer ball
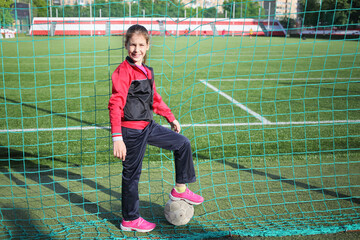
(178,212)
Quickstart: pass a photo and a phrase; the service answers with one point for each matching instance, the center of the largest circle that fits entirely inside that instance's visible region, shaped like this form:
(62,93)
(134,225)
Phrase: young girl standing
(134,99)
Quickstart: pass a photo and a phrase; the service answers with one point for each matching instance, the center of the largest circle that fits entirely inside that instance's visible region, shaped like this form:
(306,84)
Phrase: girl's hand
(120,150)
(175,126)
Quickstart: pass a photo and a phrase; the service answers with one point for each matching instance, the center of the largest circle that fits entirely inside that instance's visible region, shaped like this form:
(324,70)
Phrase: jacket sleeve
(120,87)
(160,108)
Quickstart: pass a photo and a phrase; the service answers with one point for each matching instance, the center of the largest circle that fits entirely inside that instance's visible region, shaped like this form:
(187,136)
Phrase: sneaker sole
(130,229)
(184,199)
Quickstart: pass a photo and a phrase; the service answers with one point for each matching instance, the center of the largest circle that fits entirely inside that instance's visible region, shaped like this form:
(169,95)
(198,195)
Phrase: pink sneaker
(139,225)
(187,196)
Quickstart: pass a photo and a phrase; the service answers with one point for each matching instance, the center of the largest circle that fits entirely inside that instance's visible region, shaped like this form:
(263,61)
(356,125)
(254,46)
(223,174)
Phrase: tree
(354,12)
(103,6)
(330,12)
(116,9)
(335,12)
(5,13)
(310,10)
(288,23)
(209,12)
(172,8)
(243,8)
(39,8)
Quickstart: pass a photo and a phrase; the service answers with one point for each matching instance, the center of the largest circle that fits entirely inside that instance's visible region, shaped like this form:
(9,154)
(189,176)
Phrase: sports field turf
(273,124)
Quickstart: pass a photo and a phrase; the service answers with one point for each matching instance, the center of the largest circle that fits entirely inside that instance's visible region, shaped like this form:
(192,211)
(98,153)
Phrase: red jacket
(134,98)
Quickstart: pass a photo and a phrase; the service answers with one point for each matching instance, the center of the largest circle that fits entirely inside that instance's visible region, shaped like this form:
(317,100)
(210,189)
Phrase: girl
(134,99)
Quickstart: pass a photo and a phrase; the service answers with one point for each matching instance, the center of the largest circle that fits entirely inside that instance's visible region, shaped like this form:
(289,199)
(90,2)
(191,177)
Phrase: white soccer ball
(178,212)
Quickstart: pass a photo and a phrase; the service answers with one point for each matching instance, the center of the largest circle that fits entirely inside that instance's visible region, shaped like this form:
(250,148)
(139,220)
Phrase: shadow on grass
(293,182)
(17,222)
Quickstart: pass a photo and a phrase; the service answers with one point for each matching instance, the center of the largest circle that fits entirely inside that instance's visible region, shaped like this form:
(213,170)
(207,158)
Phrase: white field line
(258,116)
(77,128)
(103,54)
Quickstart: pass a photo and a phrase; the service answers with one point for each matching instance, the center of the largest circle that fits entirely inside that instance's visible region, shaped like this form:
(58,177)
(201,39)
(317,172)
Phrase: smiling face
(137,47)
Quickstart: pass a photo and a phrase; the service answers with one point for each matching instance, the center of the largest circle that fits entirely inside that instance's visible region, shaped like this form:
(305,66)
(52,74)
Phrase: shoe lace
(189,192)
(141,220)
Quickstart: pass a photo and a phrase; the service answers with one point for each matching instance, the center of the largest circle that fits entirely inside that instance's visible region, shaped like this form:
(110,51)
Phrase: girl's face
(137,47)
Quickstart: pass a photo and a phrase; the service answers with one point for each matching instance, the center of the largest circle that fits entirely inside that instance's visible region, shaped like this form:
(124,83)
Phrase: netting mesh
(268,98)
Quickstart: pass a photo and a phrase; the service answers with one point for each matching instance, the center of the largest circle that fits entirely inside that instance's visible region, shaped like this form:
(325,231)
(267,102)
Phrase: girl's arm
(120,87)
(175,125)
(120,149)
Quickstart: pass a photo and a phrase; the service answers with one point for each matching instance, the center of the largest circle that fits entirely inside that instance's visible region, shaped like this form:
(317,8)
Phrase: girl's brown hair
(137,29)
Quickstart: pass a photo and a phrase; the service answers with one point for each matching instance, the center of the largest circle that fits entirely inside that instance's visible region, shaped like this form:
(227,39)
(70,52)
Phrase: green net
(268,94)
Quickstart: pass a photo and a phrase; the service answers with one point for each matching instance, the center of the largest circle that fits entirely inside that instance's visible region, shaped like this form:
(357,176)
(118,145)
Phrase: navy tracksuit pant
(135,142)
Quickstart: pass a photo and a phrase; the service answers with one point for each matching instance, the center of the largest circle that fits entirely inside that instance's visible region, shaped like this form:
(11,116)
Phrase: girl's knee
(186,142)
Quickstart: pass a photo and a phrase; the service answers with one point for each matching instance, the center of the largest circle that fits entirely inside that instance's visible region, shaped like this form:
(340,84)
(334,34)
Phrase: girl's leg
(166,138)
(135,141)
(163,137)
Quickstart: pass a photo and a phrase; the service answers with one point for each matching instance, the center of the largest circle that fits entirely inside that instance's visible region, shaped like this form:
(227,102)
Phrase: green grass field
(273,124)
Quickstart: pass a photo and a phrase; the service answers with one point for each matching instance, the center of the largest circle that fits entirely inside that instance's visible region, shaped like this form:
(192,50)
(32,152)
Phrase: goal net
(266,91)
